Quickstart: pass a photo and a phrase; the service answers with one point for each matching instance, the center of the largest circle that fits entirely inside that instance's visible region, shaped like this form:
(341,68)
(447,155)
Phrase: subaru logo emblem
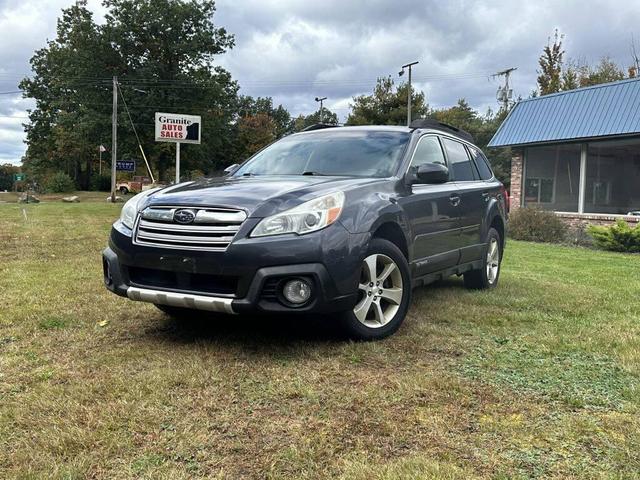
(184,216)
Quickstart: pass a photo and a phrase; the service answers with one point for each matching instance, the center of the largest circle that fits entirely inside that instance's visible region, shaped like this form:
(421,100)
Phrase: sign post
(178,128)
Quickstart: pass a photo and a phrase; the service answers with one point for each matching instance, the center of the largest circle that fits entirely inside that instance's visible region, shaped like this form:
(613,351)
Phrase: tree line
(163,53)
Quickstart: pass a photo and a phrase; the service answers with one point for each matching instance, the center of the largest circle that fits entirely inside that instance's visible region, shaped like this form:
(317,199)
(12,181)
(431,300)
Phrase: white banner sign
(176,127)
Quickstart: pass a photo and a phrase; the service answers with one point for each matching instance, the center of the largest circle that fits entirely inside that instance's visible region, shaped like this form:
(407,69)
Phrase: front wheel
(384,293)
(488,274)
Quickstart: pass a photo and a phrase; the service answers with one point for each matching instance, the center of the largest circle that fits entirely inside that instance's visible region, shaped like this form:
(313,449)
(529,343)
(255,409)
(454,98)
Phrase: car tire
(384,293)
(124,190)
(487,276)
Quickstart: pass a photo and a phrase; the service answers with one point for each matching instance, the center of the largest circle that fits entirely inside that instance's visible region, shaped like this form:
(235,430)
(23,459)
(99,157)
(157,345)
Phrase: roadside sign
(178,128)
(18,177)
(126,165)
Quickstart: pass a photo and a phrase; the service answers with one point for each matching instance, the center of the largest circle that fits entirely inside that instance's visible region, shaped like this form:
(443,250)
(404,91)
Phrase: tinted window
(361,153)
(482,163)
(428,151)
(459,162)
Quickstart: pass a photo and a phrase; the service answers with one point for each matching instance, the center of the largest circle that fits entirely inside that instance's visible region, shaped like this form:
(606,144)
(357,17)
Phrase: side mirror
(431,173)
(231,168)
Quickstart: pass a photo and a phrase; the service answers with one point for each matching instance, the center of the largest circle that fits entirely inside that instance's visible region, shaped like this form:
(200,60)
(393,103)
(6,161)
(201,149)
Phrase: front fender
(373,211)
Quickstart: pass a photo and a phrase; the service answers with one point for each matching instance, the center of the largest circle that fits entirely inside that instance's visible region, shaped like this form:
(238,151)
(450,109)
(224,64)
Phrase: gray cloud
(295,50)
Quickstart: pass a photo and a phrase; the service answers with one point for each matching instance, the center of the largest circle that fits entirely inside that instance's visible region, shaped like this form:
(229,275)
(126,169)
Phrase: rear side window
(459,162)
(482,163)
(428,151)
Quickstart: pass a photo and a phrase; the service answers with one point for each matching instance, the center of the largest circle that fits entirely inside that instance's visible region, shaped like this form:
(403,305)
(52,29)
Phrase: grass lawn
(539,378)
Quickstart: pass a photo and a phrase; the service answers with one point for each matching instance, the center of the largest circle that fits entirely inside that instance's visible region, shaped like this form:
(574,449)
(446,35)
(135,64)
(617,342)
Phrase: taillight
(507,199)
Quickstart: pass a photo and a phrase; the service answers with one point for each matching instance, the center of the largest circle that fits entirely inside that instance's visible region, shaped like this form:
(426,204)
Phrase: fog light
(297,291)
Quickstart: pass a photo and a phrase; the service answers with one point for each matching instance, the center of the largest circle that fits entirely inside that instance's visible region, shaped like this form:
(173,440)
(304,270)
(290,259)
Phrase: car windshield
(358,153)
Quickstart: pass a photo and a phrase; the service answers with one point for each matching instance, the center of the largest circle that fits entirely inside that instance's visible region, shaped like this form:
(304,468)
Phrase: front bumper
(184,300)
(245,278)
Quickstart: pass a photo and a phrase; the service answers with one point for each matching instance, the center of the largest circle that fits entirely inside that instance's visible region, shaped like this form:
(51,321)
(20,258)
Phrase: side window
(428,151)
(459,162)
(482,163)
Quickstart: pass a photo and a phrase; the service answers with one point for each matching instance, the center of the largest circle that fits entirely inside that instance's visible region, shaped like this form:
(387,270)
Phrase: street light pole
(400,73)
(114,138)
(319,99)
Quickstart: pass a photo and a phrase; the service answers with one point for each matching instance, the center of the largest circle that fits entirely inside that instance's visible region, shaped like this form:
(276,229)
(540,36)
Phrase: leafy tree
(303,121)
(555,76)
(64,117)
(387,105)
(249,106)
(163,47)
(482,128)
(570,79)
(255,132)
(605,71)
(6,176)
(549,75)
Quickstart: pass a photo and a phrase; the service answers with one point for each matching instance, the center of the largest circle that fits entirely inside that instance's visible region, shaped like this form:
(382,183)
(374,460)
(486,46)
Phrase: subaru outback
(342,222)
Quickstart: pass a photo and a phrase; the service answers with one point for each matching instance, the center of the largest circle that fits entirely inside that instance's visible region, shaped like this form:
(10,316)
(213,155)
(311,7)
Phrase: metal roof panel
(597,111)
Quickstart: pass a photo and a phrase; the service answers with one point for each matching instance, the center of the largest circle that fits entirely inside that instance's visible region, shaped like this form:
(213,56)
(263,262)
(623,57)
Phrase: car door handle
(455,200)
(485,196)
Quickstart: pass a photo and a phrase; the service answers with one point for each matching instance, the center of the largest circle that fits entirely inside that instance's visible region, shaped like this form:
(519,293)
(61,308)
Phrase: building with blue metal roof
(577,152)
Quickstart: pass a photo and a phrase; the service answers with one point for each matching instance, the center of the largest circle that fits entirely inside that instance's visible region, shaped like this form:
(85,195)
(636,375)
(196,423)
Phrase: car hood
(259,196)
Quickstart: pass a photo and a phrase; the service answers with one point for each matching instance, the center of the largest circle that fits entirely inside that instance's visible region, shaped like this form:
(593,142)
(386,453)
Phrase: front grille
(183,281)
(207,228)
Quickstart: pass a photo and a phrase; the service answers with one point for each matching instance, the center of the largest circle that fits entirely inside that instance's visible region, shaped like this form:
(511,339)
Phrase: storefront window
(552,177)
(613,177)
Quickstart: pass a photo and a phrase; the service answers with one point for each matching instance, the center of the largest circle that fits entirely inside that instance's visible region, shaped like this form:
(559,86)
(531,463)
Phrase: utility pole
(634,55)
(177,162)
(114,138)
(321,99)
(504,94)
(400,73)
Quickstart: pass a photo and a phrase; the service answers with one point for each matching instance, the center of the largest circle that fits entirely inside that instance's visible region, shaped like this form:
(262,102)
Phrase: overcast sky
(294,50)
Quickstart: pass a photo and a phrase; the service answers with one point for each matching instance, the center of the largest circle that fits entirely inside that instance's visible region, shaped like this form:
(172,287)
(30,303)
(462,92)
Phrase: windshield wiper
(315,174)
(249,174)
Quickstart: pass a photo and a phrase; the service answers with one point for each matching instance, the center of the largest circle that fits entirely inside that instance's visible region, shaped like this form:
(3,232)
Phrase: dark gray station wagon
(340,221)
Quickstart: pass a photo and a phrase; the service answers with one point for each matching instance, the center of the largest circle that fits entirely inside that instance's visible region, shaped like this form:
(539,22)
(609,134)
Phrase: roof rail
(436,125)
(319,126)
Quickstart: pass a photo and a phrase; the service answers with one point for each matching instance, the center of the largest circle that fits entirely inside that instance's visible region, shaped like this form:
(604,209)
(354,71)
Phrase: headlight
(308,217)
(130,209)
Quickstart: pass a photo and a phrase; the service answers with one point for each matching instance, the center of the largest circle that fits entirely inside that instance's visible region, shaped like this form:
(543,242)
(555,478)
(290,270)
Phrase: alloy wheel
(380,290)
(493,261)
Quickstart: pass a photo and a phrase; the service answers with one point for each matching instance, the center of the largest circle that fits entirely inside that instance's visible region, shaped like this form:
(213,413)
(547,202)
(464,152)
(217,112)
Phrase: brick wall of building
(583,219)
(517,164)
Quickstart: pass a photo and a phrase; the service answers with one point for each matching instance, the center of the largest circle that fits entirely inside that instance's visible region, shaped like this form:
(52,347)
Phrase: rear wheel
(124,190)
(384,293)
(487,276)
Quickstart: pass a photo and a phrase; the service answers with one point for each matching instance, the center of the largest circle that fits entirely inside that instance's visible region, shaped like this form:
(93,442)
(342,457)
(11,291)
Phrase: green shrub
(60,182)
(535,225)
(619,237)
(101,183)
